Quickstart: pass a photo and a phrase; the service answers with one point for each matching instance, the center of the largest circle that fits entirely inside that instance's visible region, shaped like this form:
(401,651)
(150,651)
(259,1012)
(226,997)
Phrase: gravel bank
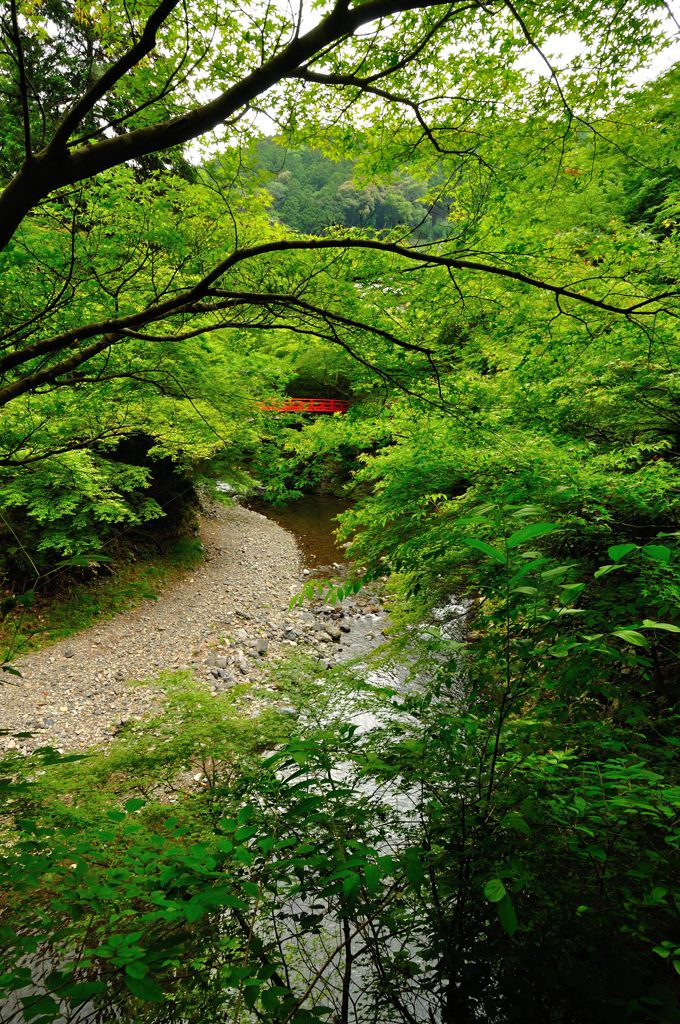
(76,693)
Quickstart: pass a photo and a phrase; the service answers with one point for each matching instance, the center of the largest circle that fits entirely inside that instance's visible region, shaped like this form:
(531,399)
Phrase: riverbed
(225,621)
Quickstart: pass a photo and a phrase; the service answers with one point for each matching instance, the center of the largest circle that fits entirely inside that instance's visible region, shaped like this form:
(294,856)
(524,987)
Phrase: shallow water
(311,521)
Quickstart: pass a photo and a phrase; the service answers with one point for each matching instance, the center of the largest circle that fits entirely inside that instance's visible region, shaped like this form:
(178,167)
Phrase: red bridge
(314,405)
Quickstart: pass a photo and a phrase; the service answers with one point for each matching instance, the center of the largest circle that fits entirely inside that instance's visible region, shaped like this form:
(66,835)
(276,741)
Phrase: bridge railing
(313,405)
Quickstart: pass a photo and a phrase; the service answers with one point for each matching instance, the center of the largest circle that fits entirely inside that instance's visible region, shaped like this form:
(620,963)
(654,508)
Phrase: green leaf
(80,992)
(372,876)
(194,910)
(631,636)
(481,545)
(245,833)
(572,588)
(43,1006)
(219,896)
(619,551)
(650,624)
(415,872)
(516,822)
(604,570)
(494,890)
(570,591)
(135,804)
(137,969)
(350,886)
(507,916)
(270,1000)
(145,988)
(557,571)
(562,648)
(528,532)
(659,552)
(526,569)
(266,844)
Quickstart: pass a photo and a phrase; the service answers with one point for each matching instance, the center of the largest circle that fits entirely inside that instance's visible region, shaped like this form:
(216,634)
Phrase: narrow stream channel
(312,521)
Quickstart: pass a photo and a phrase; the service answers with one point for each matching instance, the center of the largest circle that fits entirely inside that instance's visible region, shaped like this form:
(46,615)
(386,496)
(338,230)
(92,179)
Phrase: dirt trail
(76,693)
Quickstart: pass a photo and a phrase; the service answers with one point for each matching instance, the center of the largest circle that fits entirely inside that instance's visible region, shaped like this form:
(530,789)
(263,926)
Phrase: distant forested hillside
(312,193)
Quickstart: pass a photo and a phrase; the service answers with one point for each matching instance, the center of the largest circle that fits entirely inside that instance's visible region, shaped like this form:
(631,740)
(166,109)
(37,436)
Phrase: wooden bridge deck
(313,405)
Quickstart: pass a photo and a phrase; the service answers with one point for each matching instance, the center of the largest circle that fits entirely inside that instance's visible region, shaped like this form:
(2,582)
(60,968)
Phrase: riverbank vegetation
(482,257)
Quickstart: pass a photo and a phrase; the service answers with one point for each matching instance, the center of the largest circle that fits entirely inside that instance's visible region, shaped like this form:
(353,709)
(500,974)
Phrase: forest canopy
(137,274)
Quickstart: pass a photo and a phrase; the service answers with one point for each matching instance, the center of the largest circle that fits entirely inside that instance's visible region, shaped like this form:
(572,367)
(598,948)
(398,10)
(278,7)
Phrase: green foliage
(534,478)
(135,897)
(70,605)
(312,193)
(328,591)
(71,501)
(181,869)
(67,486)
(500,841)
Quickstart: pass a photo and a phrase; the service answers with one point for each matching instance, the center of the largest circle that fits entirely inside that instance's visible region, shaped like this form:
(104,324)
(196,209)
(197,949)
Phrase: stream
(311,520)
(361,621)
(397,806)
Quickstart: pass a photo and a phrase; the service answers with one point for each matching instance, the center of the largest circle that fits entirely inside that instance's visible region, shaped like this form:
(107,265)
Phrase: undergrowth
(59,609)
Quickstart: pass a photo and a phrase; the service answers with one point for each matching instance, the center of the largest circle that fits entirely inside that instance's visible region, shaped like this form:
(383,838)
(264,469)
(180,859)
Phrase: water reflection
(311,520)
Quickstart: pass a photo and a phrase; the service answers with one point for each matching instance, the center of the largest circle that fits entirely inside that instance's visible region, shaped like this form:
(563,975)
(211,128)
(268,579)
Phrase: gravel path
(223,620)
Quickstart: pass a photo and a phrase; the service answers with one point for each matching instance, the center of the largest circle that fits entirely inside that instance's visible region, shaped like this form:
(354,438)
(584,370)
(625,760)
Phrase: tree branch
(145,44)
(186,303)
(55,166)
(23,84)
(365,85)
